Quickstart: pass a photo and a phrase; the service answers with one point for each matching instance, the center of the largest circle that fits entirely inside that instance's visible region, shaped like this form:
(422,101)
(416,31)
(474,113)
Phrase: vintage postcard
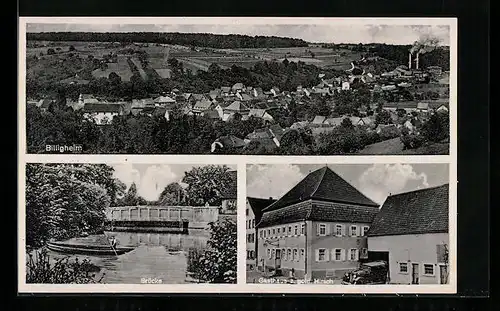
(273,87)
(350,224)
(237,155)
(89,223)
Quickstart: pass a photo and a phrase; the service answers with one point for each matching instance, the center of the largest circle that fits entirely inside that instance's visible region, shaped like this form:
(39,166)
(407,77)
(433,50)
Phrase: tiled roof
(342,212)
(237,106)
(415,212)
(319,120)
(318,211)
(231,191)
(102,108)
(231,141)
(257,205)
(325,185)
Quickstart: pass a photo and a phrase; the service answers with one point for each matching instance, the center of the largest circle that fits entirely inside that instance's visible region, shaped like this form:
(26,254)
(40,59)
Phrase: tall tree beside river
(63,200)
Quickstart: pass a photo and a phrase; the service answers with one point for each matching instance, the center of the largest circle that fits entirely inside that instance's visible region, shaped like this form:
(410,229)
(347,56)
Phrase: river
(160,256)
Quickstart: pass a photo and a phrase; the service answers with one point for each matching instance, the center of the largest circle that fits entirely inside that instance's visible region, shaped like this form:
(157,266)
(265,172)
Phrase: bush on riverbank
(40,270)
(217,264)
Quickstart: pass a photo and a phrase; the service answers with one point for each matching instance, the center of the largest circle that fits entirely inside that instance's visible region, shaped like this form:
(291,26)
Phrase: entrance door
(414,273)
(443,274)
(277,260)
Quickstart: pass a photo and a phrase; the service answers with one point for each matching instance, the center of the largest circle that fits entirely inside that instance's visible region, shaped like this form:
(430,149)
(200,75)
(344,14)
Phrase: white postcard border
(240,161)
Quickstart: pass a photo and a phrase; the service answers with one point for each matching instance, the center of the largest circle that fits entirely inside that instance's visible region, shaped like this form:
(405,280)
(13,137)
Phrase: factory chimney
(416,61)
(409,61)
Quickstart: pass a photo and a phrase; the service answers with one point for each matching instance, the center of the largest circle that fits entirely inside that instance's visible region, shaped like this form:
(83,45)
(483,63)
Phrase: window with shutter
(354,231)
(342,252)
(343,230)
(337,254)
(283,254)
(322,229)
(322,254)
(338,230)
(317,254)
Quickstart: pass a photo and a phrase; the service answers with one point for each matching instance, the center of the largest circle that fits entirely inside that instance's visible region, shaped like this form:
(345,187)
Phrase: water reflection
(156,255)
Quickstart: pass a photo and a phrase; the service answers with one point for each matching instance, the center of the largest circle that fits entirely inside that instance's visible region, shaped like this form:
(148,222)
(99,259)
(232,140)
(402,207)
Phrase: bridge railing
(164,213)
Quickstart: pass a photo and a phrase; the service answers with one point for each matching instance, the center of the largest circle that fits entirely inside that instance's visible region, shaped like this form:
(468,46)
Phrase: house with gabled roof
(318,120)
(163,101)
(201,105)
(411,233)
(227,142)
(317,230)
(261,114)
(102,114)
(233,108)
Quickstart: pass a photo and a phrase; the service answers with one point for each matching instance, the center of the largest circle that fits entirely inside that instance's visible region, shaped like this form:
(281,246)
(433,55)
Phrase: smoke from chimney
(425,44)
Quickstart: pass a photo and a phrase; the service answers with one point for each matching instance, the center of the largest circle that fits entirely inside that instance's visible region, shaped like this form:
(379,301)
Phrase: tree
(131,198)
(172,195)
(62,200)
(383,117)
(347,123)
(51,51)
(437,128)
(114,78)
(295,142)
(71,48)
(206,183)
(401,113)
(218,263)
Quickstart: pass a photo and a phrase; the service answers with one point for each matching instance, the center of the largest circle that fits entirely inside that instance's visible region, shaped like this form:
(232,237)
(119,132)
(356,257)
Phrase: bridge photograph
(130,223)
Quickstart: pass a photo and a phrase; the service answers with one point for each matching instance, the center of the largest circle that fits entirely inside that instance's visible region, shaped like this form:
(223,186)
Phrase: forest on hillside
(188,39)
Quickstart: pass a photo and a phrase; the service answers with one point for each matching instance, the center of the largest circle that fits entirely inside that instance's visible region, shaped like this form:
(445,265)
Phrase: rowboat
(85,249)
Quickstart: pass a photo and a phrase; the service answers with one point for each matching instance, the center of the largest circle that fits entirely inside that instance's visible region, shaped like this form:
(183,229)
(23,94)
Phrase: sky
(324,33)
(376,181)
(151,179)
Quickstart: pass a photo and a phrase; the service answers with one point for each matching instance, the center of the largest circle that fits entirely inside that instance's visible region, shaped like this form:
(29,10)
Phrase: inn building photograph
(347,223)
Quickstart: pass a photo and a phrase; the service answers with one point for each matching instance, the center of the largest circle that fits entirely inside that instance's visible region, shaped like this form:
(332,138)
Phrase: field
(195,59)
(121,68)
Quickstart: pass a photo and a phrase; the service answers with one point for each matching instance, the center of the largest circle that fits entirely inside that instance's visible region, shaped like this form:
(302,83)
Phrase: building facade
(411,234)
(253,213)
(229,195)
(317,230)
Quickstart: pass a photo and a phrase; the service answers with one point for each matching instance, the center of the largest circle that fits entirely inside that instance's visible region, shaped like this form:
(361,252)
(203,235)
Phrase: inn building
(411,234)
(317,230)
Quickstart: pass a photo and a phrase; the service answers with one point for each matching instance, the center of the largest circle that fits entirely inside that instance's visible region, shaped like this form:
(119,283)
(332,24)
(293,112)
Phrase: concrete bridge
(197,216)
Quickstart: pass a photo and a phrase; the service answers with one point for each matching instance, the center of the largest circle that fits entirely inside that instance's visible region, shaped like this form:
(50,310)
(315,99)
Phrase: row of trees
(187,39)
(205,185)
(286,76)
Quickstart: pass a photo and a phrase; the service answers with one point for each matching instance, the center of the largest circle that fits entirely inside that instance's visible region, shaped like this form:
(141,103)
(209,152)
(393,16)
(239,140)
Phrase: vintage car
(374,272)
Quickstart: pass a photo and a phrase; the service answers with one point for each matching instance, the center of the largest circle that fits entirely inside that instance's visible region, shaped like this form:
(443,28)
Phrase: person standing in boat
(113,241)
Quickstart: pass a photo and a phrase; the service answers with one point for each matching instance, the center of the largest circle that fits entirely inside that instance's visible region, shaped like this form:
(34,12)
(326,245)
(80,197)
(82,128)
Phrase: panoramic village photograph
(302,89)
(347,224)
(130,224)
